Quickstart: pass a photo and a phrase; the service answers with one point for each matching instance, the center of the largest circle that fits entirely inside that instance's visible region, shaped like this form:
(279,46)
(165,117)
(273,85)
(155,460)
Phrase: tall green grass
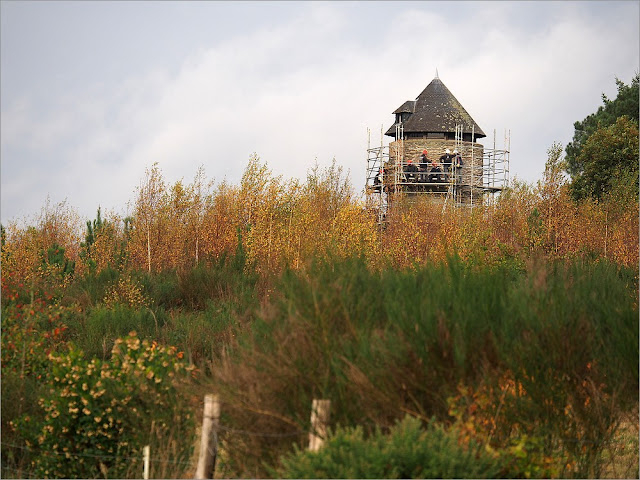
(571,340)
(90,289)
(96,333)
(228,278)
(558,342)
(381,344)
(202,335)
(195,310)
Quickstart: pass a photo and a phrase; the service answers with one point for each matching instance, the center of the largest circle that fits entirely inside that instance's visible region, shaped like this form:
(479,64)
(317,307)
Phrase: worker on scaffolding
(424,166)
(411,172)
(446,160)
(457,166)
(378,180)
(436,175)
(424,159)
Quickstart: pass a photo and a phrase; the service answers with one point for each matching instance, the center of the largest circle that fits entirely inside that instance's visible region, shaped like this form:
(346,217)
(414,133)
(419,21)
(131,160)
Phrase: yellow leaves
(97,393)
(289,223)
(108,244)
(126,292)
(176,226)
(133,342)
(25,261)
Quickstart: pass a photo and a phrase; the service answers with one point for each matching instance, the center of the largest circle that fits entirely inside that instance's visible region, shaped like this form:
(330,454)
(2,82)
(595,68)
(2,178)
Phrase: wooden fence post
(209,438)
(319,423)
(146,452)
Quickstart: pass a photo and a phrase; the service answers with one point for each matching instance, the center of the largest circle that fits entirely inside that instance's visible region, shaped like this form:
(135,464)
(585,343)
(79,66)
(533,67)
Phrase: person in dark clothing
(424,159)
(457,159)
(457,165)
(446,160)
(411,171)
(424,166)
(435,174)
(377,181)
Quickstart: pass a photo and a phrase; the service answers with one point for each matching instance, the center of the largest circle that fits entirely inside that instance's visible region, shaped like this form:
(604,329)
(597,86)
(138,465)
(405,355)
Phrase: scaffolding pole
(386,181)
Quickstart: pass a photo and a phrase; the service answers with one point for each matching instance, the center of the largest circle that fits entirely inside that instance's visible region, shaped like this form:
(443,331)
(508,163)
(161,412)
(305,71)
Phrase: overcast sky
(93,93)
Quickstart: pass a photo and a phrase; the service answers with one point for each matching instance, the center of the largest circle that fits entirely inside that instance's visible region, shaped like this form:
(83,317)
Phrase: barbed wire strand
(91,455)
(262,434)
(220,427)
(20,473)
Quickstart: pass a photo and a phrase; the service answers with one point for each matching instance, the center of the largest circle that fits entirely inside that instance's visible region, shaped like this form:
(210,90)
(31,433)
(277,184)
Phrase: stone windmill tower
(436,122)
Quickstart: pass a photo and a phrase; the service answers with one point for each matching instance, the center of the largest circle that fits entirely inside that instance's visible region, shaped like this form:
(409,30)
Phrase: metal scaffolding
(495,166)
(389,178)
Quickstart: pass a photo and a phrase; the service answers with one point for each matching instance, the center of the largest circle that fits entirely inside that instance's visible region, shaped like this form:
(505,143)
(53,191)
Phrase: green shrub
(103,325)
(162,288)
(377,343)
(90,289)
(99,415)
(226,279)
(30,332)
(19,398)
(202,334)
(407,451)
(440,328)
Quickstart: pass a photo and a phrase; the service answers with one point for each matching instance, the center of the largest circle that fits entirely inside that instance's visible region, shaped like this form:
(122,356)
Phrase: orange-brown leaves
(290,222)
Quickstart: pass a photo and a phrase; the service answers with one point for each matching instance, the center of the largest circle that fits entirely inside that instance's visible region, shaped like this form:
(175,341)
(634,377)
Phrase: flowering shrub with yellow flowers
(99,415)
(126,292)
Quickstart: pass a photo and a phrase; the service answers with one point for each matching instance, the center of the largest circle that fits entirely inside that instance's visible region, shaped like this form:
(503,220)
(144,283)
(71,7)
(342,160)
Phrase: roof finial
(437,73)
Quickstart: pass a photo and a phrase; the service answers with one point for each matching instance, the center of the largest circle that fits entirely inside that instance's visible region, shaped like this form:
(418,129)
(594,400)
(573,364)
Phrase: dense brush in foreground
(544,358)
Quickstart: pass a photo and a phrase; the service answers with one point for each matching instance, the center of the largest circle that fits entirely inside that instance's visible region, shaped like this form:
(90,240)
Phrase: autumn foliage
(288,222)
(198,267)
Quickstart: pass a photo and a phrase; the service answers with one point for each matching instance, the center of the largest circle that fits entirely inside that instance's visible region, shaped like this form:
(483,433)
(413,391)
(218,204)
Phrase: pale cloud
(306,90)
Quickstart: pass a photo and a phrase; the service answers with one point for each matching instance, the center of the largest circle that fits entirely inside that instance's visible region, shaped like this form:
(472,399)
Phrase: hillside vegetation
(498,341)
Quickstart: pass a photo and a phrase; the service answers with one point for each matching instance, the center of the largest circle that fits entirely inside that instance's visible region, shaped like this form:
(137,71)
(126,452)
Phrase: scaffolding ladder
(453,192)
(378,158)
(496,167)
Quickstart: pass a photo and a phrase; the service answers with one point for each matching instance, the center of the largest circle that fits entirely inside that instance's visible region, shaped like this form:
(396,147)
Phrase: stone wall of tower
(403,150)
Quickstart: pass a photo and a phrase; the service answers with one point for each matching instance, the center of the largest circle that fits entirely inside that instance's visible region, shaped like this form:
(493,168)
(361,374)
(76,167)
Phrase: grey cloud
(306,89)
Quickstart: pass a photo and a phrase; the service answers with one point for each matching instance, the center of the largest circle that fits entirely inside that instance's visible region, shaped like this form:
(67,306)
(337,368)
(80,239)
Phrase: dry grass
(622,459)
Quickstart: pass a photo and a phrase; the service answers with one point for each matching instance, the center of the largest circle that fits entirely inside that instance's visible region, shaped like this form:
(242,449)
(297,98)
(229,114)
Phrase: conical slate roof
(406,107)
(435,110)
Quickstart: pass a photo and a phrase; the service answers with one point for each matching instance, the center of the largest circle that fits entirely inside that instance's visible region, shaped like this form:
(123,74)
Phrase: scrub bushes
(407,451)
(571,341)
(381,344)
(98,415)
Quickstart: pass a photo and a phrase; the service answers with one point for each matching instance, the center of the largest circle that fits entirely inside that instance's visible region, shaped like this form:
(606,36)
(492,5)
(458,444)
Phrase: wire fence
(17,472)
(297,433)
(24,473)
(92,455)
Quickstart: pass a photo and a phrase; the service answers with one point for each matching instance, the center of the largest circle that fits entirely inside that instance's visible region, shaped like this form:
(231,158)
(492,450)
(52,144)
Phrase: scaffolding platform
(389,176)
